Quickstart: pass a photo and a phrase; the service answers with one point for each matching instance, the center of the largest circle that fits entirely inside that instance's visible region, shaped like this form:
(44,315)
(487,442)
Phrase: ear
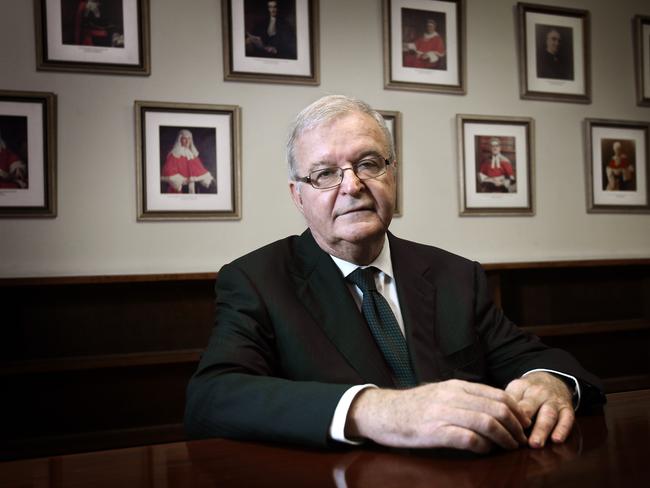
(294,190)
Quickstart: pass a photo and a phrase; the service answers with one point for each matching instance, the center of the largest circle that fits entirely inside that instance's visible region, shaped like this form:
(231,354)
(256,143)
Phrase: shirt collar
(382,262)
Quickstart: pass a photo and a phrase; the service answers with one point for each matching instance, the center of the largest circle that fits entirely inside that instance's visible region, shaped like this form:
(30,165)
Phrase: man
(93,28)
(272,38)
(619,171)
(13,171)
(551,60)
(183,168)
(496,174)
(297,355)
(427,51)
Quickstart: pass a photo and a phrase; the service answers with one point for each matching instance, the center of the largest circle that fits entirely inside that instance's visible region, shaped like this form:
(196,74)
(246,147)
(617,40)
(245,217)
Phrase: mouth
(356,210)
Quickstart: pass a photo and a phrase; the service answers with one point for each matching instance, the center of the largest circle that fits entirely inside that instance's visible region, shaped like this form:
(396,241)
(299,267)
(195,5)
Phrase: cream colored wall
(96,231)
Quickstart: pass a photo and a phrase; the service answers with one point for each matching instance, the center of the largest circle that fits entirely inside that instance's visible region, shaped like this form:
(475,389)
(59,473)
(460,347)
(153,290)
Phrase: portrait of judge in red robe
(423,44)
(496,171)
(618,164)
(183,170)
(13,153)
(92,23)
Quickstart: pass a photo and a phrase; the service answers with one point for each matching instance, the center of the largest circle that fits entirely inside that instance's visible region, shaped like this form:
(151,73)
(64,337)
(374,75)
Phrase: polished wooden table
(606,449)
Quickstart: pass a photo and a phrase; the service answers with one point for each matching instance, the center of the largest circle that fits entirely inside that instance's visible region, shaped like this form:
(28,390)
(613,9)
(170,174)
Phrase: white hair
(325,110)
(190,152)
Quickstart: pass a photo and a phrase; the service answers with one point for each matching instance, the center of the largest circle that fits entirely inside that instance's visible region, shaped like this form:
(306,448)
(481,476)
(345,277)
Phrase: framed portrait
(554,59)
(27,154)
(424,45)
(188,161)
(496,165)
(394,123)
(93,36)
(617,166)
(642,58)
(272,41)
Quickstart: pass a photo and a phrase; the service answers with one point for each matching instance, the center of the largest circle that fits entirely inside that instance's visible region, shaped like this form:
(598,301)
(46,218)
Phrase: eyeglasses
(325,178)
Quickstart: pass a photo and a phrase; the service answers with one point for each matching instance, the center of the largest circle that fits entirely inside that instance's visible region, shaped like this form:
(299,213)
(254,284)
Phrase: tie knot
(364,278)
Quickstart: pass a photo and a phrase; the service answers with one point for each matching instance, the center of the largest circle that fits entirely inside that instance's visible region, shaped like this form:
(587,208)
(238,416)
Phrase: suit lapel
(417,297)
(324,293)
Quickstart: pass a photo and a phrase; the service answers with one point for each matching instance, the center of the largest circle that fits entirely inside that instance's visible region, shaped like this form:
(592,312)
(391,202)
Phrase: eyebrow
(327,164)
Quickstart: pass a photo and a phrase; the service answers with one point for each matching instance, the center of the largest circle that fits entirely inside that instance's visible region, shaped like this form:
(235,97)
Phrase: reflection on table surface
(604,449)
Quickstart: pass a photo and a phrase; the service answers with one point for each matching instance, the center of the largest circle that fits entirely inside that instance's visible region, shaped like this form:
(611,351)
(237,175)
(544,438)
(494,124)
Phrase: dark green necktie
(384,326)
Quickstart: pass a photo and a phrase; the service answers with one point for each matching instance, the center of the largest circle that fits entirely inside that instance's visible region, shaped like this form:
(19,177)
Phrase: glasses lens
(331,177)
(370,168)
(325,178)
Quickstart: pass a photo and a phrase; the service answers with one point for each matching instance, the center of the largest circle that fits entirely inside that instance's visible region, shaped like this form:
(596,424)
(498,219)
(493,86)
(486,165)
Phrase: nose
(351,182)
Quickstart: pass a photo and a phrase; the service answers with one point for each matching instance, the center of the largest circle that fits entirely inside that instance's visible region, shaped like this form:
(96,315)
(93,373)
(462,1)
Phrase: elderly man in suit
(349,334)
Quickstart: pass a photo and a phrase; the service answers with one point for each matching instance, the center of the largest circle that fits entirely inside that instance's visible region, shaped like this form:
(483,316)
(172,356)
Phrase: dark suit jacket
(284,40)
(289,340)
(555,67)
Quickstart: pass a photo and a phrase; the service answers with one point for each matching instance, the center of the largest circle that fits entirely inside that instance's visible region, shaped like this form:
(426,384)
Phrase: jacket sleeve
(511,352)
(238,390)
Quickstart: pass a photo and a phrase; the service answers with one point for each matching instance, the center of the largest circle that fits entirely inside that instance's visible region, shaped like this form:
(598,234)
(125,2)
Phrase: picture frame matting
(28,154)
(188,161)
(271,42)
(97,37)
(424,46)
(617,166)
(495,165)
(554,47)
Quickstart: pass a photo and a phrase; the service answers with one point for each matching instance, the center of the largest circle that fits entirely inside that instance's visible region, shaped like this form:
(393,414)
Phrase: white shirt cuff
(337,427)
(576,402)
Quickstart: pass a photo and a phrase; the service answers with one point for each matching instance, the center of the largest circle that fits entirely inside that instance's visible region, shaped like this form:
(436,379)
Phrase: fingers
(551,418)
(492,418)
(527,399)
(487,411)
(564,425)
(549,398)
(545,422)
(465,439)
(504,397)
(454,421)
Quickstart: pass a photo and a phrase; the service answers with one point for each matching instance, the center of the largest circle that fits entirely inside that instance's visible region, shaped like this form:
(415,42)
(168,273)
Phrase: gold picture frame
(188,161)
(28,149)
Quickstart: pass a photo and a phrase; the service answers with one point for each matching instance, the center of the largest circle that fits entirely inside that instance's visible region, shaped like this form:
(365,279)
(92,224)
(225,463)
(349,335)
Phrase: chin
(362,231)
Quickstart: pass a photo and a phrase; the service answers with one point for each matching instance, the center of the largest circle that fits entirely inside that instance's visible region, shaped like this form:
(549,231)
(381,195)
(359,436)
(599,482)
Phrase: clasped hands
(463,415)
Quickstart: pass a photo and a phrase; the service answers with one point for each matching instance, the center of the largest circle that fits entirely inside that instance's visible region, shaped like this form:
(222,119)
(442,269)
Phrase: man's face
(496,148)
(273,8)
(431,27)
(356,211)
(553,42)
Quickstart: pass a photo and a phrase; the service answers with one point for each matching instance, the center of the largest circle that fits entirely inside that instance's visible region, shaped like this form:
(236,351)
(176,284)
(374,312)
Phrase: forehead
(346,137)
